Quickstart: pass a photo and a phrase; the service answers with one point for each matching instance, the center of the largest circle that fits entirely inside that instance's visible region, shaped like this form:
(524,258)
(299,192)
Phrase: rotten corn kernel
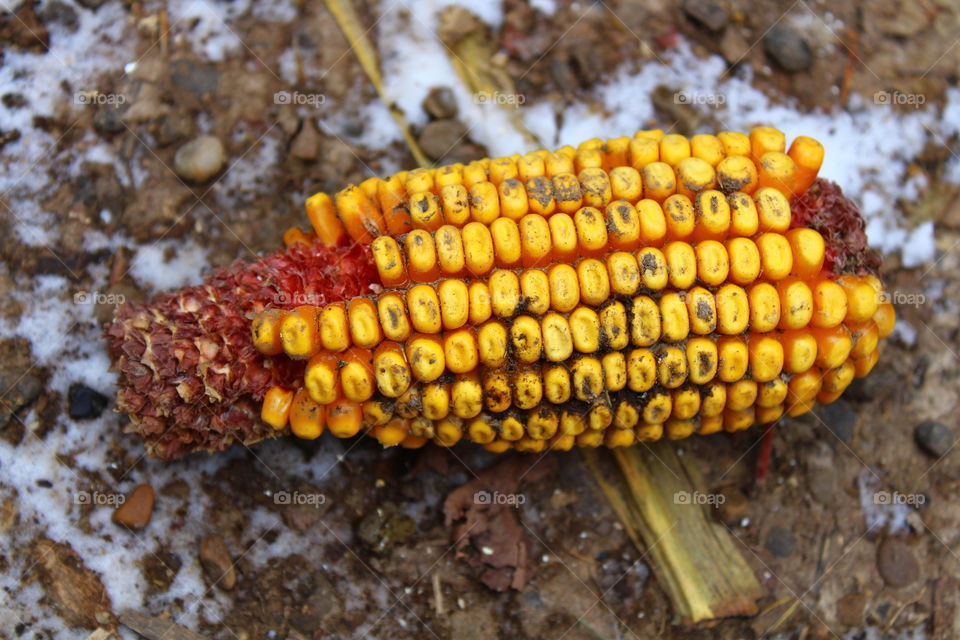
(618,292)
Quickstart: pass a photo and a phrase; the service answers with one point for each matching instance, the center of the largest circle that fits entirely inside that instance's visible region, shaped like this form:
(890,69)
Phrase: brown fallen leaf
(491,525)
(76,591)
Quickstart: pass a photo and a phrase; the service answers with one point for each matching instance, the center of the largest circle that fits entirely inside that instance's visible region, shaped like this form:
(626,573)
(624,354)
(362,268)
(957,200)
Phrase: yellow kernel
(741,395)
(744,260)
(713,215)
(526,338)
(799,350)
(435,398)
(299,332)
(862,299)
(733,310)
(492,342)
(419,181)
(557,338)
(613,325)
(588,158)
(424,307)
(356,375)
(504,293)
(624,273)
(764,139)
(566,190)
(623,224)
(659,181)
(776,259)
(527,388)
(653,268)
(506,242)
(734,143)
(455,203)
(641,370)
(713,263)
(594,281)
(307,418)
(626,184)
(421,256)
(449,431)
(389,262)
(778,171)
(737,173)
(277,403)
(766,357)
(449,249)
(425,358)
(585,328)
(833,346)
(764,302)
(738,420)
(531,165)
(595,187)
(534,240)
(733,358)
(836,381)
(556,383)
(614,371)
(466,396)
(626,416)
(674,321)
(478,248)
(587,375)
(707,147)
(702,360)
(671,367)
(796,303)
(658,408)
(773,208)
(563,237)
(503,169)
(393,317)
(644,322)
(513,199)
(674,148)
(265,329)
(480,431)
(591,231)
(829,304)
(480,302)
(564,287)
(540,195)
(680,216)
(390,370)
(600,417)
(713,399)
(653,223)
(447,175)
(643,151)
(364,325)
(744,218)
(425,211)
(702,311)
(454,303)
(694,175)
(334,330)
(681,264)
(460,351)
(686,403)
(558,163)
(535,289)
(771,393)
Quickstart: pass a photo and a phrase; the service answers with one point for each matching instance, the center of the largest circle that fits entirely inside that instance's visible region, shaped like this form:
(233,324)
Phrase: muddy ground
(381,560)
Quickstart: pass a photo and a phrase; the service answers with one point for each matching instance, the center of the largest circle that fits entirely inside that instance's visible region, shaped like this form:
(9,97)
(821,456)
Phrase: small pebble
(84,402)
(200,159)
(788,48)
(136,510)
(780,541)
(709,13)
(217,563)
(933,437)
(306,144)
(840,419)
(440,137)
(880,383)
(440,103)
(896,563)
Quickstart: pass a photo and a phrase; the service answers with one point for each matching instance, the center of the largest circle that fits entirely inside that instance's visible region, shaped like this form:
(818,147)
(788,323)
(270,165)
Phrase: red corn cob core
(191,380)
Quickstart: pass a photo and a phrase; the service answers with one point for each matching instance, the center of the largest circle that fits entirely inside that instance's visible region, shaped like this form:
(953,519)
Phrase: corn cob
(618,292)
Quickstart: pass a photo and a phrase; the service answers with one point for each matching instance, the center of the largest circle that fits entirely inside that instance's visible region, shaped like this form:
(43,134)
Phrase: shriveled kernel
(744,260)
(535,289)
(426,358)
(511,429)
(435,398)
(681,264)
(506,242)
(863,366)
(557,339)
(323,219)
(540,195)
(671,366)
(334,330)
(594,281)
(713,398)
(265,329)
(527,387)
(449,431)
(695,175)
(702,359)
(674,320)
(421,252)
(653,223)
(658,408)
(564,287)
(504,293)
(514,203)
(600,417)
(659,181)
(686,403)
(886,318)
(492,340)
(497,395)
(766,357)
(702,311)
(624,273)
(460,350)
(360,216)
(737,173)
(654,272)
(299,332)
(356,375)
(454,303)
(626,416)
(481,431)
(641,370)
(408,404)
(623,225)
(799,350)
(744,218)
(773,209)
(591,231)
(585,328)
(680,217)
(776,259)
(713,262)
(455,204)
(480,302)
(595,187)
(425,211)
(865,337)
(644,321)
(389,262)
(477,248)
(649,432)
(738,420)
(526,339)
(449,249)
(556,383)
(392,314)
(566,190)
(424,307)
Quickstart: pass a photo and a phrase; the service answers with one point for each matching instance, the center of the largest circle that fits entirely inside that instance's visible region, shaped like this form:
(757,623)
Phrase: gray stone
(780,542)
(897,563)
(934,437)
(440,103)
(709,13)
(788,48)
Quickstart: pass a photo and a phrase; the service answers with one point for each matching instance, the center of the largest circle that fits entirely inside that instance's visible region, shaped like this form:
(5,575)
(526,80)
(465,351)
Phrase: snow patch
(169,264)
